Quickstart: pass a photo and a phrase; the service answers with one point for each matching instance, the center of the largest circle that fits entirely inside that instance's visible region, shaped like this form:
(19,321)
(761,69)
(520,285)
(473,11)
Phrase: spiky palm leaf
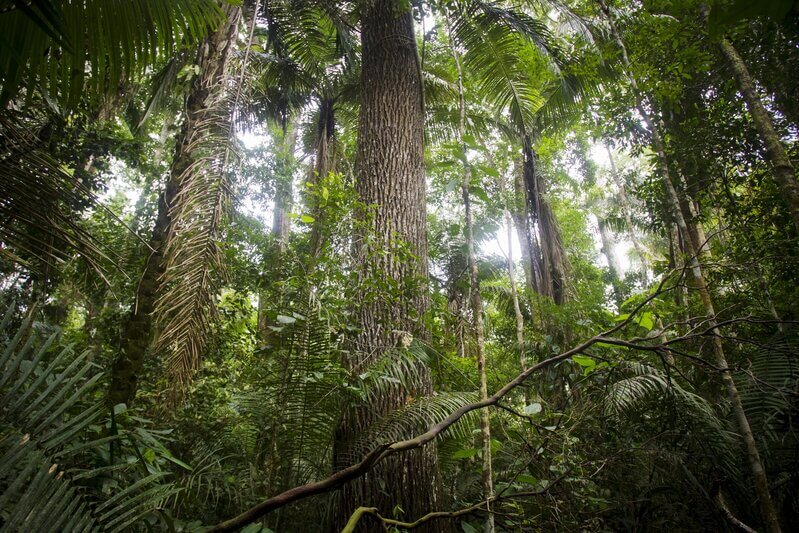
(45,422)
(37,202)
(186,308)
(57,44)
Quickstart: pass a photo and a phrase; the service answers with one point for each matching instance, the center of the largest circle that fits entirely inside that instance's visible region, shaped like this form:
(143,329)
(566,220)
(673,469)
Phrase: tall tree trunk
(784,172)
(476,299)
(284,187)
(609,251)
(212,61)
(627,210)
(523,230)
(767,509)
(514,292)
(322,167)
(391,179)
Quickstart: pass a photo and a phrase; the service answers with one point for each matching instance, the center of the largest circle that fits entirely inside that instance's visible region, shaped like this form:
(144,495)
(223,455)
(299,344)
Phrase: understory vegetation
(378,265)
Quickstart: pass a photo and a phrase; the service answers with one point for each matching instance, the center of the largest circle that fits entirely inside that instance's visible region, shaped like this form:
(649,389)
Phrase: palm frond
(186,307)
(646,388)
(499,59)
(45,422)
(38,202)
(57,44)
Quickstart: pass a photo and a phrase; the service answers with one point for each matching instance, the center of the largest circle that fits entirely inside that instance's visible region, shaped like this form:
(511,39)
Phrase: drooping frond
(37,202)
(186,309)
(499,58)
(645,388)
(57,44)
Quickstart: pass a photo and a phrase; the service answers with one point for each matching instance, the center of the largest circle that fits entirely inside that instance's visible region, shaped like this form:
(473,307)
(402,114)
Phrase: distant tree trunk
(390,177)
(548,257)
(784,172)
(626,208)
(284,187)
(609,251)
(476,299)
(523,229)
(281,223)
(212,61)
(325,131)
(767,509)
(517,310)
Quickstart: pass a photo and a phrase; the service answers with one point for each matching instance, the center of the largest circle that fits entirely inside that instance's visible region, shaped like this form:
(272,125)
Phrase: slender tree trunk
(390,178)
(609,251)
(767,509)
(322,167)
(626,208)
(212,61)
(784,172)
(523,229)
(476,299)
(284,188)
(517,310)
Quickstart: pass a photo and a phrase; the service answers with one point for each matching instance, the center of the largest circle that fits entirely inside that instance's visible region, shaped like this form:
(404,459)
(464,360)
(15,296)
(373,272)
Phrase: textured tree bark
(767,510)
(212,61)
(784,172)
(391,247)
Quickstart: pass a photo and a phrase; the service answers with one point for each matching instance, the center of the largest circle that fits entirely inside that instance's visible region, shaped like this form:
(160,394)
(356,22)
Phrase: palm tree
(177,282)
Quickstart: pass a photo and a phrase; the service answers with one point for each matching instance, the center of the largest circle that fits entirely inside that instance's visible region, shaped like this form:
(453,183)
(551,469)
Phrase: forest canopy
(378,265)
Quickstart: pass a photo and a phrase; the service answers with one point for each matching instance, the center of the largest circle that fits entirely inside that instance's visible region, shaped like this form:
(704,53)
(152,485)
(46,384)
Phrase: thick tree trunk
(784,172)
(767,509)
(391,182)
(212,61)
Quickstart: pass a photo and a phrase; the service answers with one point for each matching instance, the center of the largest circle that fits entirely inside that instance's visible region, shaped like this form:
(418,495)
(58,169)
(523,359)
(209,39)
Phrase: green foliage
(50,476)
(54,45)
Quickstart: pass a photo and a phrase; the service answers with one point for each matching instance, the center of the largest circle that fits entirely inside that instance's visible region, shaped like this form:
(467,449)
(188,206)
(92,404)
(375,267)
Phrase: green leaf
(465,454)
(307,219)
(646,322)
(526,478)
(468,528)
(583,361)
(283,319)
